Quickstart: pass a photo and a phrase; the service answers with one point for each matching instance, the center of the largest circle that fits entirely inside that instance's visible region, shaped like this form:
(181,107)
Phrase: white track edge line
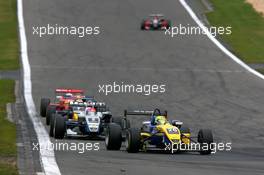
(217,43)
(47,156)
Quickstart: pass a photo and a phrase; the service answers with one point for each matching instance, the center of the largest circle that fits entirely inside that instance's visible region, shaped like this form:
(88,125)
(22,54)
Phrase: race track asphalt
(204,88)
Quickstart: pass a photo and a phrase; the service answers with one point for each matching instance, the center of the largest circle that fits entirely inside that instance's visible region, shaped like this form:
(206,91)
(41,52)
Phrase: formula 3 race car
(155,22)
(158,134)
(80,121)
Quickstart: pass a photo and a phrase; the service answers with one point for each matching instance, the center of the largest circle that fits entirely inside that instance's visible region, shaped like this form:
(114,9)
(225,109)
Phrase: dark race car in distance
(155,22)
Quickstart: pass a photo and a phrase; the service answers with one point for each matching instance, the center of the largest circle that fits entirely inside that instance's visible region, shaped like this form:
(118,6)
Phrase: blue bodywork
(156,138)
(83,127)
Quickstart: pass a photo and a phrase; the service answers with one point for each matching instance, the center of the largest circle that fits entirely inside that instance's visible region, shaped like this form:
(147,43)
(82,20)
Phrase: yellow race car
(158,133)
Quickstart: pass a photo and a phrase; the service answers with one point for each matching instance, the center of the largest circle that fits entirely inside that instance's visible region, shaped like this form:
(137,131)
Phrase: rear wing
(73,91)
(158,15)
(92,104)
(144,112)
(137,112)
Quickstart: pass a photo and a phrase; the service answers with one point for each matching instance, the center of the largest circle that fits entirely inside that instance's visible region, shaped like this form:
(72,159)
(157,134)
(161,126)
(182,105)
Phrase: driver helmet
(160,120)
(92,110)
(79,100)
(155,20)
(78,96)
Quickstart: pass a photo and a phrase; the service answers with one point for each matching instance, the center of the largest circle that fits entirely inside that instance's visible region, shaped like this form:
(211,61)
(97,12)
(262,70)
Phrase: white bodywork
(93,119)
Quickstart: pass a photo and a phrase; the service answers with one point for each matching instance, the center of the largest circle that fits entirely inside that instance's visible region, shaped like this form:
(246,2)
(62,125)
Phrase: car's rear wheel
(59,127)
(205,138)
(113,138)
(142,26)
(50,110)
(133,142)
(44,103)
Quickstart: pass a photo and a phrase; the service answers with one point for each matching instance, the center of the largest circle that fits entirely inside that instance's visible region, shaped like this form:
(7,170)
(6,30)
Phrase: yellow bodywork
(186,138)
(75,117)
(174,135)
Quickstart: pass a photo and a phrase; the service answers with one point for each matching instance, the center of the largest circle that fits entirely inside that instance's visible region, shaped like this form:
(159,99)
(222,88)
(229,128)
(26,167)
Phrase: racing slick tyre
(52,123)
(133,143)
(205,138)
(142,26)
(44,103)
(118,120)
(59,127)
(113,137)
(50,110)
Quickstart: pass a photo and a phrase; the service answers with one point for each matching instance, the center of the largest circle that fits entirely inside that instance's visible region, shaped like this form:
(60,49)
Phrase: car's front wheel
(205,138)
(113,137)
(59,127)
(133,141)
(142,26)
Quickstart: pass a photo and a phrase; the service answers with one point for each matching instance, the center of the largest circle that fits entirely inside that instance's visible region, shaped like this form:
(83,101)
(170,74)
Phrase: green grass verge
(8,169)
(8,150)
(247,38)
(8,35)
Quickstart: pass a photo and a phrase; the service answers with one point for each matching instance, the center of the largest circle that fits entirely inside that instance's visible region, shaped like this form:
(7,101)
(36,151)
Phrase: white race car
(81,120)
